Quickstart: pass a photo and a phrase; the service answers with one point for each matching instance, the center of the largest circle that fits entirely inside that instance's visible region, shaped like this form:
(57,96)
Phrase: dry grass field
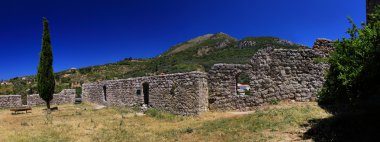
(282,122)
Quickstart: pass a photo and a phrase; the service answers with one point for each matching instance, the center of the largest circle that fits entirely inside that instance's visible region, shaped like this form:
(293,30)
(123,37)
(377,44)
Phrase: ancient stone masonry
(287,74)
(181,93)
(323,45)
(222,84)
(273,75)
(66,96)
(276,74)
(7,101)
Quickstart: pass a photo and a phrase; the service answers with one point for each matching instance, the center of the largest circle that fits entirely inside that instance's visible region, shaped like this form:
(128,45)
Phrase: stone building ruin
(274,74)
(180,93)
(66,96)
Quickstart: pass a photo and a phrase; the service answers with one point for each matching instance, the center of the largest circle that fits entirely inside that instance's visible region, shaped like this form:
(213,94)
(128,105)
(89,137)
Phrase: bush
(85,70)
(274,101)
(354,66)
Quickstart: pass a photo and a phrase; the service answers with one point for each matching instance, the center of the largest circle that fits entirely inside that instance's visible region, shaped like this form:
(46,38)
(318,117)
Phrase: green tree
(374,16)
(354,66)
(45,75)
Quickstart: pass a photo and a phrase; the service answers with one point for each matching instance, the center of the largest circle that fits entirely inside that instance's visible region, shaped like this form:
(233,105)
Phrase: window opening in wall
(242,84)
(146,93)
(105,92)
(138,92)
(78,92)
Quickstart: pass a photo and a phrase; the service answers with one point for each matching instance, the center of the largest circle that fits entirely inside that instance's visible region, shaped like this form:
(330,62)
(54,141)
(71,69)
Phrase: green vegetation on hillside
(198,54)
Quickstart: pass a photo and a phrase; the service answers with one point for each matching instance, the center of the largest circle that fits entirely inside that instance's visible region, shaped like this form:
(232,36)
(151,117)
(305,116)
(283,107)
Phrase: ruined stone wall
(324,45)
(288,74)
(181,93)
(222,84)
(276,74)
(66,96)
(7,101)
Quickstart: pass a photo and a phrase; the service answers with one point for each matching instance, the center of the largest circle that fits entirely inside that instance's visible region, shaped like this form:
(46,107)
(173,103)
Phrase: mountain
(209,40)
(197,54)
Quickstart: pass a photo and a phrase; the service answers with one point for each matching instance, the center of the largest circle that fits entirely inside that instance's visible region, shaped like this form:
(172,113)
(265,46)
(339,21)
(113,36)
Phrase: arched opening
(105,92)
(146,93)
(243,84)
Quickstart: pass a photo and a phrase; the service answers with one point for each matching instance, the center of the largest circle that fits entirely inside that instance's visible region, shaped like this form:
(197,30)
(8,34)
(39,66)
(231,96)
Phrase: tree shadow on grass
(349,123)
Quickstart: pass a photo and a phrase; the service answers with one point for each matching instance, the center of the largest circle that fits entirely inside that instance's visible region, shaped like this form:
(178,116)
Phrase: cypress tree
(45,75)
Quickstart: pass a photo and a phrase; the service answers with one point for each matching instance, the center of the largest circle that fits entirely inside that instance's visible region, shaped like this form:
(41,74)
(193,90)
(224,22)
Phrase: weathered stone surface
(222,84)
(276,74)
(7,101)
(181,93)
(323,45)
(66,96)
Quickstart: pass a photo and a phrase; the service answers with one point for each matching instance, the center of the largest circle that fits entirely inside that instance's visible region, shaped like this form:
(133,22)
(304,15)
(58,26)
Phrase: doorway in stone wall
(243,84)
(146,93)
(105,92)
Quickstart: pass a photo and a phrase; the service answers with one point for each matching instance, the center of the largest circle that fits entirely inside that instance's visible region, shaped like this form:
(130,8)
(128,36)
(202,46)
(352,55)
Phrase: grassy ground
(282,122)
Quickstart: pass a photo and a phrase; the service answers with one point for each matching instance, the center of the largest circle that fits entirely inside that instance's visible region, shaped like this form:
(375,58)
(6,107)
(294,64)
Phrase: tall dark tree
(45,75)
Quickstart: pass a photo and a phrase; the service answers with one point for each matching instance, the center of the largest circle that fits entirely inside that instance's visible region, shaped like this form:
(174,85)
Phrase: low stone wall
(276,74)
(66,96)
(181,93)
(7,101)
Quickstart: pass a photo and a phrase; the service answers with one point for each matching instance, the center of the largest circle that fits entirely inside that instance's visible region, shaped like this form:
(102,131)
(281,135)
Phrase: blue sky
(93,32)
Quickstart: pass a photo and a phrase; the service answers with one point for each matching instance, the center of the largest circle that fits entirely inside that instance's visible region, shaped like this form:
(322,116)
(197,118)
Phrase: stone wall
(273,74)
(324,45)
(7,101)
(66,96)
(288,74)
(222,84)
(276,74)
(181,93)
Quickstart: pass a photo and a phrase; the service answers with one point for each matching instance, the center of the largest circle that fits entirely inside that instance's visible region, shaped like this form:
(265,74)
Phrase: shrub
(85,70)
(274,101)
(354,66)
